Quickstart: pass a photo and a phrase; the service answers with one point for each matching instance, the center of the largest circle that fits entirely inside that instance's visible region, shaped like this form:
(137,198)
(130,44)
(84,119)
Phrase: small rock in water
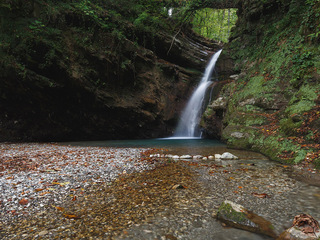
(211,157)
(304,227)
(197,157)
(217,156)
(228,156)
(42,233)
(175,157)
(186,157)
(169,156)
(204,158)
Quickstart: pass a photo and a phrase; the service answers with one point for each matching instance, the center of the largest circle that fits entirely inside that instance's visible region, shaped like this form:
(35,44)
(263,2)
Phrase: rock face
(73,78)
(237,216)
(271,101)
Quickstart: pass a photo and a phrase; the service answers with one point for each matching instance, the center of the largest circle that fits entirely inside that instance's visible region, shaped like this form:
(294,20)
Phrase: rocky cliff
(78,70)
(271,104)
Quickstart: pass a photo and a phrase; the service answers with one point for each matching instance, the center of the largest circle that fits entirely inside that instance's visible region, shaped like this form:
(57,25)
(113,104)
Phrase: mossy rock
(238,136)
(237,216)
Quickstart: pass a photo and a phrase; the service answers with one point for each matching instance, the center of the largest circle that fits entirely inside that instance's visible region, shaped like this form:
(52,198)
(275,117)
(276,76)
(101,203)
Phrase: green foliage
(147,22)
(303,100)
(289,127)
(36,25)
(214,24)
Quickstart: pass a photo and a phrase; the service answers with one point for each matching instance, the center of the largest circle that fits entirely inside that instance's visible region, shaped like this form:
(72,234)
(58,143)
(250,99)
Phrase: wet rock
(238,135)
(186,157)
(217,156)
(175,157)
(228,156)
(219,103)
(304,227)
(235,76)
(197,157)
(237,216)
(250,101)
(211,157)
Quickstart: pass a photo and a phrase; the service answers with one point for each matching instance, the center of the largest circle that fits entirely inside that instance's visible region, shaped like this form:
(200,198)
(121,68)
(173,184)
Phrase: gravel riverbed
(49,191)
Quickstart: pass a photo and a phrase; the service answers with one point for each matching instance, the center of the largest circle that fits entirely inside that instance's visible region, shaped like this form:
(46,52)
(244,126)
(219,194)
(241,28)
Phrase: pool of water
(152,143)
(179,146)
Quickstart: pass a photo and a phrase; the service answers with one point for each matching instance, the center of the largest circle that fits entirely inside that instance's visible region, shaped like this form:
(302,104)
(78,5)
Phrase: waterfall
(188,126)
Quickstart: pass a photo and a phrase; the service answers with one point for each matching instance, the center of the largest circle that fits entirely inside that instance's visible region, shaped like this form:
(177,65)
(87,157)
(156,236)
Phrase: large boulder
(237,216)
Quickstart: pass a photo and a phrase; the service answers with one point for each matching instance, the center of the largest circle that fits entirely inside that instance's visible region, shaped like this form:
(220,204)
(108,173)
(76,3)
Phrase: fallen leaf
(59,208)
(74,198)
(261,195)
(44,193)
(71,216)
(178,186)
(240,187)
(23,201)
(39,189)
(61,184)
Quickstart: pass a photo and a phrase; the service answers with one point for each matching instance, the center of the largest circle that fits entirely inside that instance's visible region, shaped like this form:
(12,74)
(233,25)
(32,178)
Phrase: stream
(115,190)
(234,180)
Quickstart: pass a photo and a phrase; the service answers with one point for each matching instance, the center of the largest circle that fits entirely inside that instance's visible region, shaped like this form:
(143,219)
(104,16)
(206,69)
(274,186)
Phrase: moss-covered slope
(273,106)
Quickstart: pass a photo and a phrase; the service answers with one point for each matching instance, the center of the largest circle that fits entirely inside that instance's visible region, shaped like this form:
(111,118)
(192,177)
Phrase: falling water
(190,118)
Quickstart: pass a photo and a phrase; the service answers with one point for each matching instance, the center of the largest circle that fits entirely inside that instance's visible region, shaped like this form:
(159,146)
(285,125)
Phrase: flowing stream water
(190,118)
(234,180)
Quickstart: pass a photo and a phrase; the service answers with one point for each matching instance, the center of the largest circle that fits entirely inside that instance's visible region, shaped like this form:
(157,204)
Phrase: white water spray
(190,118)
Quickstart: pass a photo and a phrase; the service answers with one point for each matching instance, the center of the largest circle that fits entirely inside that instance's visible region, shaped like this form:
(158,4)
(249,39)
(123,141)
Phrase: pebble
(50,171)
(192,217)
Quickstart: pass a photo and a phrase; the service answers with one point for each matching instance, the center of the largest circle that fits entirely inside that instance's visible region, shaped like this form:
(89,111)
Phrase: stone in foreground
(305,227)
(237,216)
(228,156)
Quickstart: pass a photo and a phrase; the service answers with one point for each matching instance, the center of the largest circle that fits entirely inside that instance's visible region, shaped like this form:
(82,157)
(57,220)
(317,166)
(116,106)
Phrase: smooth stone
(42,233)
(217,156)
(185,157)
(211,157)
(169,156)
(175,157)
(204,158)
(197,157)
(228,156)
